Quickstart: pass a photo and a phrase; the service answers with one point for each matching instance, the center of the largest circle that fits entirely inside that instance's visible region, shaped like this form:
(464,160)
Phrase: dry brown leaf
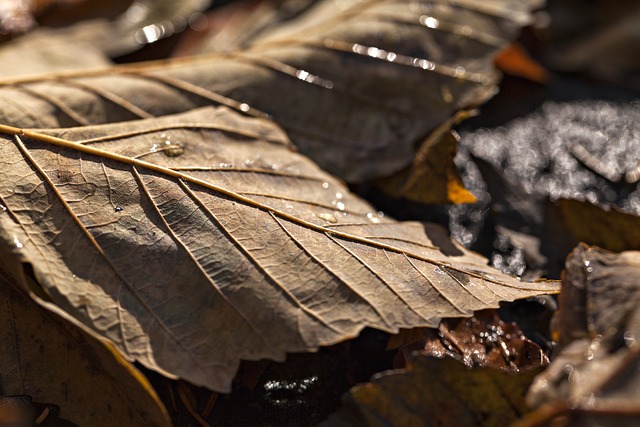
(56,363)
(516,61)
(581,221)
(436,392)
(432,176)
(198,240)
(594,379)
(355,89)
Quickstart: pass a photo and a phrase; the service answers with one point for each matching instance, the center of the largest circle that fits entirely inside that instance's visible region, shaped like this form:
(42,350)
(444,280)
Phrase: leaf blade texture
(198,240)
(367,82)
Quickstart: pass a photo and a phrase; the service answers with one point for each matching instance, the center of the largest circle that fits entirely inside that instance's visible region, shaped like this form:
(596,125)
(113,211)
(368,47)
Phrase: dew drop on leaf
(327,217)
(173,149)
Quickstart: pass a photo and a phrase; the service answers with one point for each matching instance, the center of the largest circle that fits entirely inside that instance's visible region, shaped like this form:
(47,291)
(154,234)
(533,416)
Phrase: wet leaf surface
(482,340)
(276,255)
(382,76)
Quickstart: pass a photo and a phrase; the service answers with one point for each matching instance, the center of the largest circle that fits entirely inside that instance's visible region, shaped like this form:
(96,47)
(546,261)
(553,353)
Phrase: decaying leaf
(198,240)
(355,89)
(436,392)
(432,176)
(48,360)
(594,379)
(483,340)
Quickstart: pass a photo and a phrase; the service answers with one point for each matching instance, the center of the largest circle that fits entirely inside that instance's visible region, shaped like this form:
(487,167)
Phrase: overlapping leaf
(53,362)
(594,378)
(355,89)
(195,241)
(436,392)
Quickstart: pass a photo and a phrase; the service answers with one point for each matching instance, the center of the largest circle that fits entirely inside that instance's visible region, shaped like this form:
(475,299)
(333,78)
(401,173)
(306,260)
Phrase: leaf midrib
(59,142)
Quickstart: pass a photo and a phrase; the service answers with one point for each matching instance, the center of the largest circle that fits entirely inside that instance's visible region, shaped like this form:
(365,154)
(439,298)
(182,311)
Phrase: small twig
(209,406)
(593,163)
(633,176)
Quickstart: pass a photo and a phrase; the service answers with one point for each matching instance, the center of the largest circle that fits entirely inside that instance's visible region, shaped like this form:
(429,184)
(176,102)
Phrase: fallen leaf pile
(594,379)
(171,229)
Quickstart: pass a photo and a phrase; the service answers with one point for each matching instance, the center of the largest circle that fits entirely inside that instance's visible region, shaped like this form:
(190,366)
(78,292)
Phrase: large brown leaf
(195,241)
(355,89)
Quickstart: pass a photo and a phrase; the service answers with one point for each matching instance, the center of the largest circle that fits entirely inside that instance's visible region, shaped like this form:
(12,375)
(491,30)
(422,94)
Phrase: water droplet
(629,338)
(373,51)
(149,34)
(460,71)
(373,218)
(17,242)
(325,185)
(339,195)
(588,267)
(358,48)
(327,217)
(429,21)
(340,206)
(118,209)
(302,75)
(244,107)
(172,149)
(3,208)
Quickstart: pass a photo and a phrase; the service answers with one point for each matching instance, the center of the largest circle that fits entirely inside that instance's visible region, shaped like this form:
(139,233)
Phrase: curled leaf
(594,379)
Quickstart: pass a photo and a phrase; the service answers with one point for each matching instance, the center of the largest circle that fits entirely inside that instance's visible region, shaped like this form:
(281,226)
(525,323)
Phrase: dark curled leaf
(594,379)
